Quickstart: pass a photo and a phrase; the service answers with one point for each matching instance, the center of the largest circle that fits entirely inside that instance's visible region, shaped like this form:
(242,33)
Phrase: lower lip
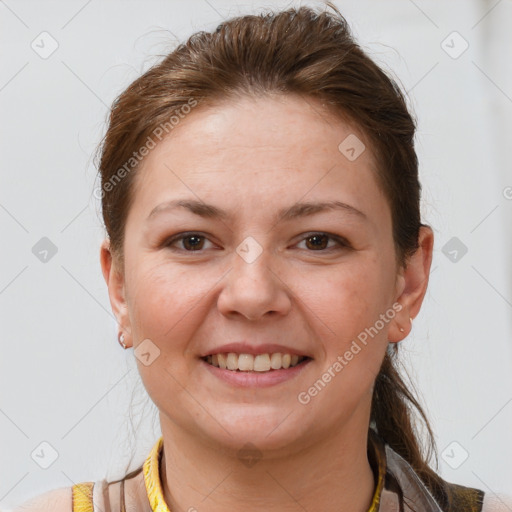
(256,379)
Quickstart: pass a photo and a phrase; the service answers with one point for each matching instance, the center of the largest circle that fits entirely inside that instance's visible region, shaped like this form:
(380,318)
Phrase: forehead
(250,149)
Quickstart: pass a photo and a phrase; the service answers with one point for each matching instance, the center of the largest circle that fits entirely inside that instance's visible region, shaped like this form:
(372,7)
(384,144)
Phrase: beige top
(398,489)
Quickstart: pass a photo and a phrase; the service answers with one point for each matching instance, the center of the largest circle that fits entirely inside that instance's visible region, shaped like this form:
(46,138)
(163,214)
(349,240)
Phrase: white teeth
(249,363)
(245,362)
(232,361)
(275,361)
(261,363)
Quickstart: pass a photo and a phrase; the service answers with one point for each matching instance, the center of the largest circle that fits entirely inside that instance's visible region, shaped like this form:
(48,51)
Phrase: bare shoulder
(497,503)
(56,500)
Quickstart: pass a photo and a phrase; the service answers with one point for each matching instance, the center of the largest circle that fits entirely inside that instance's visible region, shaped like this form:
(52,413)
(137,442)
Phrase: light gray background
(64,378)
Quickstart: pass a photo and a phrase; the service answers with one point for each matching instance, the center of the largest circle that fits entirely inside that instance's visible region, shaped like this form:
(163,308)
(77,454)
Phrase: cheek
(349,299)
(161,300)
(349,305)
(165,304)
(360,312)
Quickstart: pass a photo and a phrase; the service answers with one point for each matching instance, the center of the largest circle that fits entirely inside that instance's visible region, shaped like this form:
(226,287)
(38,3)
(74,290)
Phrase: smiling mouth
(254,363)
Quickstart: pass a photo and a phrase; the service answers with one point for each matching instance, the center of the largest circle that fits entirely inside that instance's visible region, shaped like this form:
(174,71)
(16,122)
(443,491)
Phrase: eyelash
(342,242)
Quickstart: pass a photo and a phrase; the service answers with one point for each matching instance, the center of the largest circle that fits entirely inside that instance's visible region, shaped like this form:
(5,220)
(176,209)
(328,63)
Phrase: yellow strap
(82,497)
(380,456)
(152,479)
(375,505)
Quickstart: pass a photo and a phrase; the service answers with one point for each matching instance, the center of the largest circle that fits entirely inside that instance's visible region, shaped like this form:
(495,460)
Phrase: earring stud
(401,329)
(121,340)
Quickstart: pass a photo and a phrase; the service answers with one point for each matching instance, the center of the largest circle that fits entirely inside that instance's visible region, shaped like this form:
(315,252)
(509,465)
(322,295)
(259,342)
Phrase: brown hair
(297,51)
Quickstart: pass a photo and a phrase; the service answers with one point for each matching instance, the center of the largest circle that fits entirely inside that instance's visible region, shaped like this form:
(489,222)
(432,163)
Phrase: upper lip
(248,348)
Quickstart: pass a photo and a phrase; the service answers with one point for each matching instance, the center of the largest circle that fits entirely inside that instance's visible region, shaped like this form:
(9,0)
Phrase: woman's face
(315,282)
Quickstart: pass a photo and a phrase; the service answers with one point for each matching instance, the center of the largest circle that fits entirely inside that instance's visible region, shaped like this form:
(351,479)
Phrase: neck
(333,474)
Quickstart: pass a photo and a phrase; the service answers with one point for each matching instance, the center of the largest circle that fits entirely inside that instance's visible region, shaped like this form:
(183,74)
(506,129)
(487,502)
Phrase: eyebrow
(297,210)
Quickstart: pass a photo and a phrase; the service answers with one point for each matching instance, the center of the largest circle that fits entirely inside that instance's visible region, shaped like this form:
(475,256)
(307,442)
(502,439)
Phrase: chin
(259,427)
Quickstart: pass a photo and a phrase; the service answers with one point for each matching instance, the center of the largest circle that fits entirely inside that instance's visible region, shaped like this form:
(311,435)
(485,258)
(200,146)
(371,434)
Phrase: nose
(255,289)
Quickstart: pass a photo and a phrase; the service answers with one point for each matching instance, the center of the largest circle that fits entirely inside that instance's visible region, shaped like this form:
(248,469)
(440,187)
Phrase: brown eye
(194,242)
(190,242)
(319,242)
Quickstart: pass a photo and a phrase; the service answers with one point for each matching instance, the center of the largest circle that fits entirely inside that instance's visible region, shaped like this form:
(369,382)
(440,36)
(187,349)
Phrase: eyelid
(180,236)
(342,242)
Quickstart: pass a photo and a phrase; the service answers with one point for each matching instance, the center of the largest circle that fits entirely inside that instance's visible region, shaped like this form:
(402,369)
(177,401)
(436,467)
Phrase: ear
(116,289)
(412,282)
